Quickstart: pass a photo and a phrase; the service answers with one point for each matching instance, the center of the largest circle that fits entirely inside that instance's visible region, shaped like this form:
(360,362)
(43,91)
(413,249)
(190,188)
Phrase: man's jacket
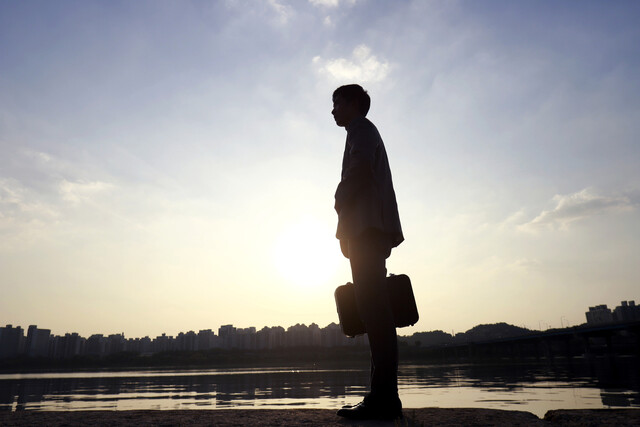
(365,198)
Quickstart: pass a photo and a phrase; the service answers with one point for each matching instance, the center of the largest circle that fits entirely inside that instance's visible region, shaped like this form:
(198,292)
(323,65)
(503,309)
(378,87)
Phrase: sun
(306,253)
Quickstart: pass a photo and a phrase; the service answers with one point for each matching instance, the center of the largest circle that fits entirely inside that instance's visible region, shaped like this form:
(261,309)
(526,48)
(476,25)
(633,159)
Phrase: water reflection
(535,388)
(177,389)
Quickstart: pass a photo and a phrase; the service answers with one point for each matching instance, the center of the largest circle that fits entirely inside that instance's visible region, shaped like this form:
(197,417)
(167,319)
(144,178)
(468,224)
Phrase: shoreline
(323,417)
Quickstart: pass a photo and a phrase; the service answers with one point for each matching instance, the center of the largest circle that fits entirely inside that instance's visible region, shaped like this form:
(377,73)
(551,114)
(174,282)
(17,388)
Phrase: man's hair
(354,93)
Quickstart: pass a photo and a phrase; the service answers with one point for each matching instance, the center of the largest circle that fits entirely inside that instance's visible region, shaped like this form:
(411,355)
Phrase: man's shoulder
(360,123)
(362,128)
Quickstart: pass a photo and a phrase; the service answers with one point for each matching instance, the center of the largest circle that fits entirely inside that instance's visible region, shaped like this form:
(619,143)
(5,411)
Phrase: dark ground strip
(320,417)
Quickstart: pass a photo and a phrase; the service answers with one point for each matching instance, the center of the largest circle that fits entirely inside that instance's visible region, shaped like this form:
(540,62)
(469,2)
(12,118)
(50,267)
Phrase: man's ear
(355,107)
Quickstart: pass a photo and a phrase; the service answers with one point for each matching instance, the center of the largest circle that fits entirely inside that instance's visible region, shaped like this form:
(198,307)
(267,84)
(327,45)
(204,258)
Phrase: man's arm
(359,173)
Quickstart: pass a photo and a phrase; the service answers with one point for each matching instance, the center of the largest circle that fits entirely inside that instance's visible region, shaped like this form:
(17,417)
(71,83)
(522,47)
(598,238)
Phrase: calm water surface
(533,388)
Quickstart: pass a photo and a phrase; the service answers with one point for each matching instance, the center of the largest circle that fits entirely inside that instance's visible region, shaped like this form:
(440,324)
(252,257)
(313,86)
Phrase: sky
(170,166)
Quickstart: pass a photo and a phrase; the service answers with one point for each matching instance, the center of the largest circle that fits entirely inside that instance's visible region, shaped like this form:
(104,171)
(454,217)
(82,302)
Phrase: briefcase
(403,305)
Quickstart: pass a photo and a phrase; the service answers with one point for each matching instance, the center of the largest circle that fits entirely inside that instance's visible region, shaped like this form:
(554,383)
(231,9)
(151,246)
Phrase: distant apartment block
(11,341)
(67,346)
(37,342)
(96,345)
(600,314)
(207,339)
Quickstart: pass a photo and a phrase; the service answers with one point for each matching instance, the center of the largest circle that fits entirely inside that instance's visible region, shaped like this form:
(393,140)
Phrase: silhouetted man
(368,227)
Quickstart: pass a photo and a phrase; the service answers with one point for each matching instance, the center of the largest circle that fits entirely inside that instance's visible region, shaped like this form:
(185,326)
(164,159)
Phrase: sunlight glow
(306,253)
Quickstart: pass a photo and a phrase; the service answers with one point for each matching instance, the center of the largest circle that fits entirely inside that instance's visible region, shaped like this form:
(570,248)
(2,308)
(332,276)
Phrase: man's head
(349,102)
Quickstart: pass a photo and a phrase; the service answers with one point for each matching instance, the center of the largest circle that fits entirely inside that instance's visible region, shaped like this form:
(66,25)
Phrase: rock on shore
(320,417)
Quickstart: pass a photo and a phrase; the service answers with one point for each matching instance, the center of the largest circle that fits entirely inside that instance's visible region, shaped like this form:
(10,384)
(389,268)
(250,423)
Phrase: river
(537,388)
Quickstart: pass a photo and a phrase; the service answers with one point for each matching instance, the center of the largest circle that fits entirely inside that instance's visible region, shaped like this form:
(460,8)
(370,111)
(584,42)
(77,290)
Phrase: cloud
(23,215)
(284,12)
(20,202)
(573,207)
(499,264)
(40,193)
(325,3)
(331,3)
(363,67)
(76,192)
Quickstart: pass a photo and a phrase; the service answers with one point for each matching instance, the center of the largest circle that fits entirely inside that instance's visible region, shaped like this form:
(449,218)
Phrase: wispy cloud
(76,192)
(325,3)
(331,3)
(41,191)
(23,214)
(284,12)
(331,6)
(16,202)
(573,207)
(363,67)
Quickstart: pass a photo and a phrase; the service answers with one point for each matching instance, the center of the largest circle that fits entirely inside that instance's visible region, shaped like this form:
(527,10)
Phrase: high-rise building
(145,345)
(298,335)
(37,342)
(115,343)
(207,339)
(276,337)
(96,345)
(599,314)
(67,346)
(246,338)
(332,336)
(162,343)
(315,335)
(187,341)
(627,312)
(11,341)
(227,334)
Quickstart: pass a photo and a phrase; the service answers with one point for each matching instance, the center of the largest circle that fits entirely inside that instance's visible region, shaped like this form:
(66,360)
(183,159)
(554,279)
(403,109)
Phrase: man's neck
(353,122)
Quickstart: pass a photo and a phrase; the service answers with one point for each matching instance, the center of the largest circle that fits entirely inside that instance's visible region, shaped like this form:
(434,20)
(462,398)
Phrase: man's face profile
(343,111)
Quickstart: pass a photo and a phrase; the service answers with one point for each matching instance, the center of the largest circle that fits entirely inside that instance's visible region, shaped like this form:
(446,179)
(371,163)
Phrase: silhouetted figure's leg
(368,257)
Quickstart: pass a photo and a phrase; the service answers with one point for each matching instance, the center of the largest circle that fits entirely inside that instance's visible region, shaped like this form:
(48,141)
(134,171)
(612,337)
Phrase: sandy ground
(321,417)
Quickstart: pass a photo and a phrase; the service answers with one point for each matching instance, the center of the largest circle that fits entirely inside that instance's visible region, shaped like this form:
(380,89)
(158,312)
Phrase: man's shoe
(352,406)
(389,410)
(367,397)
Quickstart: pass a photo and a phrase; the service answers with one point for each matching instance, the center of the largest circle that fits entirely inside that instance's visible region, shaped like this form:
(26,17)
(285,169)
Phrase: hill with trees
(478,333)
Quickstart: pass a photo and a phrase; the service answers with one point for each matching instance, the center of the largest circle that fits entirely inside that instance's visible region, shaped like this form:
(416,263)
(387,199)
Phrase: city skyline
(40,342)
(172,165)
(595,314)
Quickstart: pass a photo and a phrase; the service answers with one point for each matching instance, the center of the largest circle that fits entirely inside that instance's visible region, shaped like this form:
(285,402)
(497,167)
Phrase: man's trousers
(368,255)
